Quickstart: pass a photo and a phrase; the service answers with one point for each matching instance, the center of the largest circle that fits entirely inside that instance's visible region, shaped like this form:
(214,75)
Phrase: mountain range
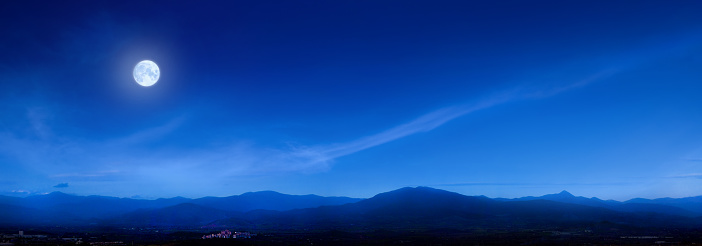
(406,208)
(61,208)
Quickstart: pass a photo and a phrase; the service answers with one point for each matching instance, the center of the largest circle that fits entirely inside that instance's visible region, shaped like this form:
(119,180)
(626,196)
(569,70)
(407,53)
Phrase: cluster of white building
(228,234)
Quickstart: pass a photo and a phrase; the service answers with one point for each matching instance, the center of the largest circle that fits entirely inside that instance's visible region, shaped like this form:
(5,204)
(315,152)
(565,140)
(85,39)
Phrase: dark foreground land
(451,238)
(599,235)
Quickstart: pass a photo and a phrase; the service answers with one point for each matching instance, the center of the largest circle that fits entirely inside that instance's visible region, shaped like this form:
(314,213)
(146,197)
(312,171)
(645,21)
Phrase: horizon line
(137,197)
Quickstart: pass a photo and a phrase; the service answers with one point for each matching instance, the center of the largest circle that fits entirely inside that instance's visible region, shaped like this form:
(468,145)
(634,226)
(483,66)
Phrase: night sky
(352,98)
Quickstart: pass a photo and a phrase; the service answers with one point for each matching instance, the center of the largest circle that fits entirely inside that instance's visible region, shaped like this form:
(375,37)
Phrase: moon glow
(146,73)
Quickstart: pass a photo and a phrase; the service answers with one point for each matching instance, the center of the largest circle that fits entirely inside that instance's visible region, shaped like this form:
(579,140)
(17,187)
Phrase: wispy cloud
(21,193)
(61,185)
(434,119)
(423,123)
(688,175)
(541,93)
(150,134)
(37,118)
(69,156)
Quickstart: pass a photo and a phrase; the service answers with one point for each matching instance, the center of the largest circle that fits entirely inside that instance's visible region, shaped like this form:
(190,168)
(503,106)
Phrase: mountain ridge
(425,208)
(566,192)
(404,207)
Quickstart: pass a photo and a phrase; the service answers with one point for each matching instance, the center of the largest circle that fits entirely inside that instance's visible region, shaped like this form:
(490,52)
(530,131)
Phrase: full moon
(146,73)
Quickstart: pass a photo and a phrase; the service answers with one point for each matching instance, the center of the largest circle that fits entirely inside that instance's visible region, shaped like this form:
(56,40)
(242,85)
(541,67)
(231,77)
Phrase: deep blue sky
(352,98)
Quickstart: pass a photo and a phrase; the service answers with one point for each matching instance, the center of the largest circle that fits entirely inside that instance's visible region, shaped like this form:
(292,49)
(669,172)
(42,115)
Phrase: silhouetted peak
(565,193)
(562,196)
(421,200)
(420,191)
(262,193)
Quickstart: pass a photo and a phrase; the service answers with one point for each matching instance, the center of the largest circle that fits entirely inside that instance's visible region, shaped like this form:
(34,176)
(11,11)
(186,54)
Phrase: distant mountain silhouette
(419,208)
(427,208)
(403,208)
(693,204)
(566,197)
(70,209)
(89,207)
(689,207)
(270,200)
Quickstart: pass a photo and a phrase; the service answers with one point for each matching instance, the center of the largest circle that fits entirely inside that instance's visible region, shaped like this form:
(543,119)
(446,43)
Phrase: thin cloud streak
(689,175)
(440,117)
(424,123)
